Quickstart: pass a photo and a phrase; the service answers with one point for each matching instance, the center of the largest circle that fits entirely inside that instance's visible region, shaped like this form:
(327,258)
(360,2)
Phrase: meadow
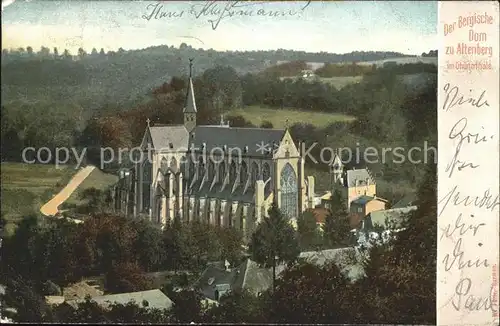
(337,82)
(97,179)
(26,187)
(278,117)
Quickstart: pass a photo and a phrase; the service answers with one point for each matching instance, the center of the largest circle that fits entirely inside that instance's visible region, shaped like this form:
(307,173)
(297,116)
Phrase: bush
(266,124)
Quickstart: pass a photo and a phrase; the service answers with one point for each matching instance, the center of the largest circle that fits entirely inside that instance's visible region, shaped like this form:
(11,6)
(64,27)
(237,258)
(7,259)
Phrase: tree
(176,246)
(29,49)
(96,200)
(126,277)
(307,294)
(94,52)
(21,295)
(187,306)
(400,286)
(231,241)
(66,54)
(102,53)
(17,262)
(133,313)
(56,53)
(87,311)
(336,227)
(148,245)
(307,228)
(274,241)
(236,308)
(81,53)
(44,52)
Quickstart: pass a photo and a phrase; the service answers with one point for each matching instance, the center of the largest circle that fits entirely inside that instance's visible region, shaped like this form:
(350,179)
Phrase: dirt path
(51,207)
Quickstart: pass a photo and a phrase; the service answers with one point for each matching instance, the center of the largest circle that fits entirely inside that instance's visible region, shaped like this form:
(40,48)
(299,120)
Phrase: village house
(351,183)
(362,206)
(215,173)
(386,219)
(216,281)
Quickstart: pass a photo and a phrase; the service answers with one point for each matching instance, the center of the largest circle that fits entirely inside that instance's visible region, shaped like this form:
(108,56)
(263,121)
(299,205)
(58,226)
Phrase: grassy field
(26,187)
(341,82)
(337,82)
(96,179)
(257,115)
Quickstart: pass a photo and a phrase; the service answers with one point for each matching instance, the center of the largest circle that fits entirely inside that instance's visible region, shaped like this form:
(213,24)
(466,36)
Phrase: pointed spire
(190,106)
(148,121)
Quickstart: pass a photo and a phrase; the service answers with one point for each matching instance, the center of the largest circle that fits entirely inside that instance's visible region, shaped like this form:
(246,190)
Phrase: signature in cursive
(454,98)
(458,132)
(462,299)
(217,11)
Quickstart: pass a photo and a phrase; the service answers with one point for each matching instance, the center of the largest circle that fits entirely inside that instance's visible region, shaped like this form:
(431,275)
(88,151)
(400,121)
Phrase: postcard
(268,162)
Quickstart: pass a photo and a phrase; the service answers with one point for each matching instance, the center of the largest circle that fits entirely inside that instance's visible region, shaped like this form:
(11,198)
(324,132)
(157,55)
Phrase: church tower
(336,171)
(190,106)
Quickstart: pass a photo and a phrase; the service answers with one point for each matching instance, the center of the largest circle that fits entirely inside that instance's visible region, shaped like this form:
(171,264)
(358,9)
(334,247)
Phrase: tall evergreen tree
(274,241)
(309,237)
(336,227)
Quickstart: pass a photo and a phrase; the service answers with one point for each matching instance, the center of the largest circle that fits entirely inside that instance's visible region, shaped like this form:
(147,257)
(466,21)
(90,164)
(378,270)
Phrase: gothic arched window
(243,174)
(191,170)
(232,173)
(163,165)
(222,171)
(254,175)
(289,192)
(147,171)
(266,174)
(173,164)
(201,170)
(211,169)
(159,204)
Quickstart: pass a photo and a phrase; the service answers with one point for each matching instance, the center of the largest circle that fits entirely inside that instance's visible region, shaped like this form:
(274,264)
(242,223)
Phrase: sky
(409,27)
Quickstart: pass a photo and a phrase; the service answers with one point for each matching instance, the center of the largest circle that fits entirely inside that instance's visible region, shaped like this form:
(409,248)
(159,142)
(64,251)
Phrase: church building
(216,173)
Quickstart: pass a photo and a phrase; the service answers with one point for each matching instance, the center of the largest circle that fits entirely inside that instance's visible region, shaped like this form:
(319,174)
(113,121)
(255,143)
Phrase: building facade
(215,173)
(352,183)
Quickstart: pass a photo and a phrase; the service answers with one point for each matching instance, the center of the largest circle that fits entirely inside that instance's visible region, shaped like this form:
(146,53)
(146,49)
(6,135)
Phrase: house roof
(80,290)
(362,200)
(54,299)
(154,298)
(248,275)
(255,278)
(408,200)
(358,175)
(211,277)
(395,215)
(235,138)
(170,137)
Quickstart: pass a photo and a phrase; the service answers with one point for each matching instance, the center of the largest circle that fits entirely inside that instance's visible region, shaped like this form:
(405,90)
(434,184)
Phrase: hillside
(125,78)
